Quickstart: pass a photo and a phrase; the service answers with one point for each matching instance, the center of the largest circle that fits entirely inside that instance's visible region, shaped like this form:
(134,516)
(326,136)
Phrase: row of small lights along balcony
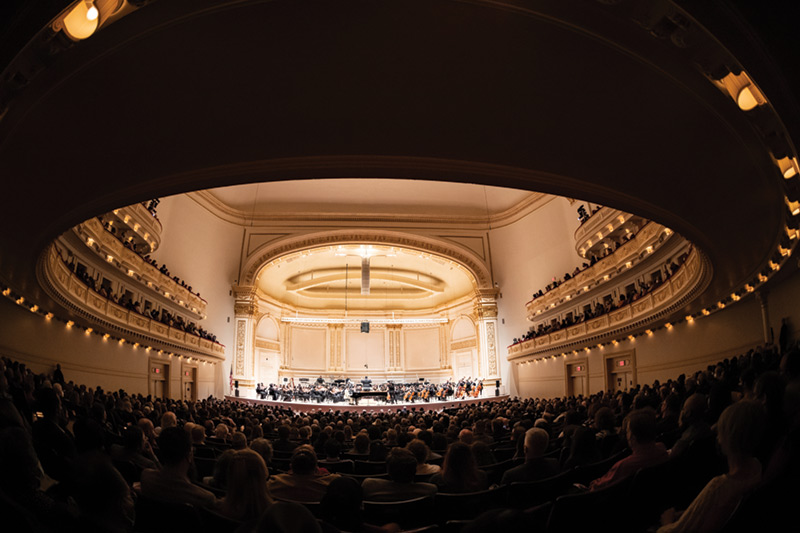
(135,225)
(604,230)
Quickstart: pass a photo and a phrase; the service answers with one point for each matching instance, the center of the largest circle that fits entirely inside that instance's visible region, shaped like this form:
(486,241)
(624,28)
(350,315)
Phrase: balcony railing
(142,223)
(134,266)
(668,297)
(67,288)
(590,235)
(649,238)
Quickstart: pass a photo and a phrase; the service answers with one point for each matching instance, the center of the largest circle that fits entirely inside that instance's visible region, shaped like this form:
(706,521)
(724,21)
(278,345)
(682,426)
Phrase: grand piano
(356,395)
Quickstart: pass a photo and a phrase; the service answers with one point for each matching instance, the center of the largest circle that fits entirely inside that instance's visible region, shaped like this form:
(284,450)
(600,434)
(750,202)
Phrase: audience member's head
(641,427)
(239,441)
(536,442)
(401,465)
(174,447)
(341,505)
(420,450)
(740,428)
(304,460)
(247,495)
(263,447)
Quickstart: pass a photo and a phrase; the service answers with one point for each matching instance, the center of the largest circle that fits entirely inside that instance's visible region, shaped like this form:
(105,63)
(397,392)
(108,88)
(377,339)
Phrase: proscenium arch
(479,272)
(415,105)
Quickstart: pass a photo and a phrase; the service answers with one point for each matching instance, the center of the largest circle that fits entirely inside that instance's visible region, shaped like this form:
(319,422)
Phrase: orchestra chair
(344,466)
(495,471)
(204,466)
(468,505)
(153,516)
(218,523)
(370,467)
(524,494)
(414,513)
(362,477)
(585,474)
(590,511)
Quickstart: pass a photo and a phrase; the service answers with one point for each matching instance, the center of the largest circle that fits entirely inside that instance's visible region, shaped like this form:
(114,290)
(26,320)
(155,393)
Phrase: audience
(80,428)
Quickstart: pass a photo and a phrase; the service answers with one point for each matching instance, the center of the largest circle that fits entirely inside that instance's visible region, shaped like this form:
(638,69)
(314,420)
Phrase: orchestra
(342,390)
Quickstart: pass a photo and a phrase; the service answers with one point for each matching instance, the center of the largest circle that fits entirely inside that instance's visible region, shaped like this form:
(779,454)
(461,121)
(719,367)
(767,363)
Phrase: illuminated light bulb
(706,312)
(70,324)
(628,264)
(600,346)
(109,258)
(721,305)
(649,249)
(631,337)
(121,342)
(106,336)
(615,342)
(735,297)
(126,219)
(621,218)
(586,349)
(130,272)
(749,97)
(148,349)
(668,231)
(89,241)
(20,300)
(749,288)
(89,330)
(586,288)
(116,212)
(668,325)
(6,292)
(788,166)
(568,297)
(774,266)
(649,332)
(34,308)
(605,278)
(135,345)
(762,278)
(136,227)
(49,316)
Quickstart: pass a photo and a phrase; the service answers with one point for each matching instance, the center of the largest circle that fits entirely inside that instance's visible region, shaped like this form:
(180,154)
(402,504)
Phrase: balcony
(111,250)
(652,307)
(141,226)
(649,239)
(603,229)
(70,291)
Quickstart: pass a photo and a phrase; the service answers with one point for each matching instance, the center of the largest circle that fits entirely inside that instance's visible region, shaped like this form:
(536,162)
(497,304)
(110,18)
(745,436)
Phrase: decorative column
(393,334)
(444,342)
(245,309)
(486,315)
(336,359)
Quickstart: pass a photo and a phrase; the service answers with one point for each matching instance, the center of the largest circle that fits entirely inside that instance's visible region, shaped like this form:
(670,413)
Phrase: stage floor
(368,405)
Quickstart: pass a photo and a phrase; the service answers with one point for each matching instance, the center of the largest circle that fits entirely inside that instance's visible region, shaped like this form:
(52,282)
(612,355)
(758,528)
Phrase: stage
(368,405)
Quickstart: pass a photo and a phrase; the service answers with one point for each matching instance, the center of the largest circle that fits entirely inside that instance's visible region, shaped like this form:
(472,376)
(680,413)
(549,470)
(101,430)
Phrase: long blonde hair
(247,496)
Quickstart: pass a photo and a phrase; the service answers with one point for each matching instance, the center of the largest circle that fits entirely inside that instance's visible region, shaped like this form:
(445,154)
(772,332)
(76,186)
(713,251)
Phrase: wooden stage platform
(369,406)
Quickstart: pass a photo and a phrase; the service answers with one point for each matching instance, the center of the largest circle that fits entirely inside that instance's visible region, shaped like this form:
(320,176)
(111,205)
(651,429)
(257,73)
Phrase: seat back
(468,505)
(369,467)
(408,514)
(525,494)
(153,516)
(589,511)
(339,467)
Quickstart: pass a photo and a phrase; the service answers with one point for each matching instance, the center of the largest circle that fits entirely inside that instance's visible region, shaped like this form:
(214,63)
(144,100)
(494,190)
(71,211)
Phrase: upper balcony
(656,305)
(137,225)
(638,249)
(66,287)
(604,230)
(109,247)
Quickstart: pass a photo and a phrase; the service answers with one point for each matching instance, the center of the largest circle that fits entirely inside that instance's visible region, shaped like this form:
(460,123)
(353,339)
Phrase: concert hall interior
(351,189)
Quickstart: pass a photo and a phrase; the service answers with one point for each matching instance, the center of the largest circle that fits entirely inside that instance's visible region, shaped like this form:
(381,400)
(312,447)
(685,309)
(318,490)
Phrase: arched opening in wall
(577,375)
(620,371)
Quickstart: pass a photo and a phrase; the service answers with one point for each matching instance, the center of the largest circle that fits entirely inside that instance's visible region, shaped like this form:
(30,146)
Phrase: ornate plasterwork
(491,346)
(268,345)
(464,344)
(274,249)
(241,339)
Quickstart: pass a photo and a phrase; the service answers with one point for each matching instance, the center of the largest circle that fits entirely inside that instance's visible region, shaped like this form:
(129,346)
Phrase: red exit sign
(622,363)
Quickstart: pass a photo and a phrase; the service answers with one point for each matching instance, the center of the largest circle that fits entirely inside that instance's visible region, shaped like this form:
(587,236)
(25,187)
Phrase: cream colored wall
(86,359)
(421,348)
(365,349)
(308,348)
(203,250)
(525,257)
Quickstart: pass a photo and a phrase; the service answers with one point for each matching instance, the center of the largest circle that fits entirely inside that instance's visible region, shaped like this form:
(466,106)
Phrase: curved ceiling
(597,100)
(332,278)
